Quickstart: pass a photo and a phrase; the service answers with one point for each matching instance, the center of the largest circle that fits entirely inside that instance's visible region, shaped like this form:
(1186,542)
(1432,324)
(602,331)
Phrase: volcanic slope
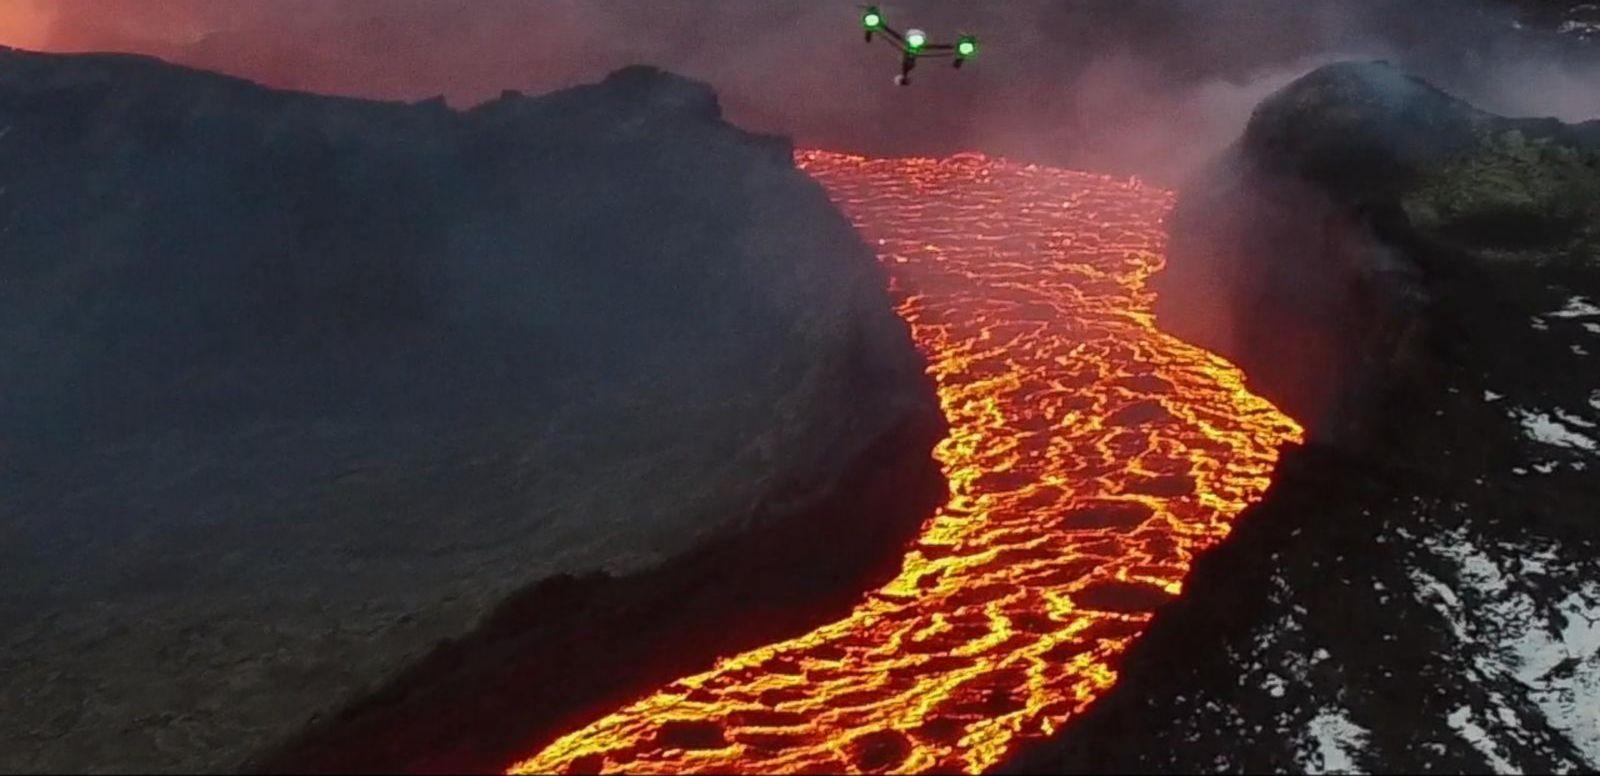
(1418,592)
(296,388)
(1090,458)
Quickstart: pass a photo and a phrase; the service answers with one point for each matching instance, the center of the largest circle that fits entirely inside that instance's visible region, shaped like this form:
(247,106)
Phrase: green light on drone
(967,47)
(872,20)
(915,40)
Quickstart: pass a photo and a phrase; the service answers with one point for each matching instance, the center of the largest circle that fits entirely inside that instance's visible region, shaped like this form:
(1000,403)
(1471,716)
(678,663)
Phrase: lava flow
(1090,458)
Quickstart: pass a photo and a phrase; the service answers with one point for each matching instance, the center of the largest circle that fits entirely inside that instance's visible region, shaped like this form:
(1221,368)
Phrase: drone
(914,44)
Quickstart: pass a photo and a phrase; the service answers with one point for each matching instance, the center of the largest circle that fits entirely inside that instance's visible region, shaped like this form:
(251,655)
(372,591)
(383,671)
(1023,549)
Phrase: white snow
(1491,396)
(1592,328)
(1569,699)
(1573,420)
(1577,307)
(1443,600)
(1335,739)
(1461,722)
(1541,427)
(1511,641)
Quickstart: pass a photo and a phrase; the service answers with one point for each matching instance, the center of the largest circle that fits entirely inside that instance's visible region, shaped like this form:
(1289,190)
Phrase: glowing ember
(1090,458)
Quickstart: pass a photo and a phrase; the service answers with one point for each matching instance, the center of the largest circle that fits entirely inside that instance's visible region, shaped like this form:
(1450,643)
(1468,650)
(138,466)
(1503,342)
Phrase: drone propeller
(873,21)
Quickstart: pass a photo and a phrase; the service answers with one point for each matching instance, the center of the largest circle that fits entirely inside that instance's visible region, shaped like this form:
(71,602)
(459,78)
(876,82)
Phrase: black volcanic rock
(1417,592)
(1304,252)
(296,387)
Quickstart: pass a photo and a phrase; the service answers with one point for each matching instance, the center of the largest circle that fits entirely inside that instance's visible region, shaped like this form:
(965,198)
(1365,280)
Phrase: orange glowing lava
(1090,458)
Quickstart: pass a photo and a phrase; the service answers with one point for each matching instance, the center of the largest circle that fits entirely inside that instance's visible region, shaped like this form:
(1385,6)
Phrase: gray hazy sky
(1129,86)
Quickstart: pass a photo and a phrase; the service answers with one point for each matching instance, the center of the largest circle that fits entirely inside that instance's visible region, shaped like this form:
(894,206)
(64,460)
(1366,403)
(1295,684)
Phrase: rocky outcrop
(298,387)
(1417,280)
(1309,251)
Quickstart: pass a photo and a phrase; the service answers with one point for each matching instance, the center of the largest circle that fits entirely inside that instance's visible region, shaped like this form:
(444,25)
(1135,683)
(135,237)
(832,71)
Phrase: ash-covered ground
(1420,589)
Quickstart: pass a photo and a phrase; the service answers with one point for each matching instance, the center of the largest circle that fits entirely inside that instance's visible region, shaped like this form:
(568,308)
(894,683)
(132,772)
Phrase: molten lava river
(1090,458)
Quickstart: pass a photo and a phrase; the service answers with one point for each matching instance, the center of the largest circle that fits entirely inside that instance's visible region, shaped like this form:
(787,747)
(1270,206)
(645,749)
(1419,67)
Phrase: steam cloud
(1152,87)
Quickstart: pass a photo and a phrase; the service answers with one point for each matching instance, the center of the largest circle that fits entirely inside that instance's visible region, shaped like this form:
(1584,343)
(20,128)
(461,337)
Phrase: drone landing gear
(906,63)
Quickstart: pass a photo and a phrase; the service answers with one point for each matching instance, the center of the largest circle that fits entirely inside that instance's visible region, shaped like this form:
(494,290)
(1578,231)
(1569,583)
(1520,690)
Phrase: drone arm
(930,50)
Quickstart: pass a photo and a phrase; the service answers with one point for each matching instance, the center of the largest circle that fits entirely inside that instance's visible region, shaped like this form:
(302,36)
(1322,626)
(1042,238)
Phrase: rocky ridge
(1418,280)
(300,387)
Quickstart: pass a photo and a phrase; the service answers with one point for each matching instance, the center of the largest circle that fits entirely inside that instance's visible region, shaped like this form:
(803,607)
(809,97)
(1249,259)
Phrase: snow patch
(1532,657)
(1540,427)
(1577,307)
(1274,685)
(1335,740)
(1491,396)
(1461,722)
(1561,667)
(1573,420)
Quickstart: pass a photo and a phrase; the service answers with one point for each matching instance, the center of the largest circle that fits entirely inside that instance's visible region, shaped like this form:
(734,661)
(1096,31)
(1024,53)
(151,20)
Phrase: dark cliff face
(1310,251)
(1416,592)
(297,387)
(258,254)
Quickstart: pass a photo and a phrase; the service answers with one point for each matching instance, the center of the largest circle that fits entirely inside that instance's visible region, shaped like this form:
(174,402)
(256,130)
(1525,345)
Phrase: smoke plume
(1151,87)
